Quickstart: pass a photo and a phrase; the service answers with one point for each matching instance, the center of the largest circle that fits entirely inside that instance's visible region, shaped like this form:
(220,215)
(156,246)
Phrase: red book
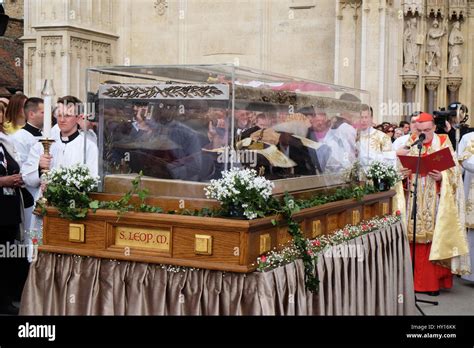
(439,160)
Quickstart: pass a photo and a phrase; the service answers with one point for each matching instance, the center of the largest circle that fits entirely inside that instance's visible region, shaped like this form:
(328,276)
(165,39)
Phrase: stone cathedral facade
(413,52)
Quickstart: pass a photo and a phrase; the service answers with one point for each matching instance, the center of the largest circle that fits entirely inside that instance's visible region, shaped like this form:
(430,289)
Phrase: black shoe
(433,293)
(9,309)
(429,293)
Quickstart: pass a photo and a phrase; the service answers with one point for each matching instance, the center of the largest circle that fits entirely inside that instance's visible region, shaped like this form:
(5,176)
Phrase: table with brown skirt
(375,281)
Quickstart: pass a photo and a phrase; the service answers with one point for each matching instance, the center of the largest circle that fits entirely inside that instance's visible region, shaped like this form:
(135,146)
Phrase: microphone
(420,140)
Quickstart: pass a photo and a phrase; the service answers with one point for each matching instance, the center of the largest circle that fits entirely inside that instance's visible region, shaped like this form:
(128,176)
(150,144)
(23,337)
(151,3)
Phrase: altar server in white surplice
(65,151)
(372,144)
(25,138)
(466,158)
(55,133)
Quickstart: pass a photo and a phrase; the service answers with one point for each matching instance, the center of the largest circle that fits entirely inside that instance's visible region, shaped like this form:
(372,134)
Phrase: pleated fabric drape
(377,280)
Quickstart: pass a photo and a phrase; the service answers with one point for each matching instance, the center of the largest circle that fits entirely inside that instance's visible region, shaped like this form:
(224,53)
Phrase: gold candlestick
(46,142)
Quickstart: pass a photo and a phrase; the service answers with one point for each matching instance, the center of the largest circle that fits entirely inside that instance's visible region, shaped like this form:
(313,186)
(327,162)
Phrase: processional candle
(47,94)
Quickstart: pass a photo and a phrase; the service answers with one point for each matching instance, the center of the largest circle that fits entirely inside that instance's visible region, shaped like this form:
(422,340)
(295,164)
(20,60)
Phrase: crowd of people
(22,158)
(161,141)
(394,131)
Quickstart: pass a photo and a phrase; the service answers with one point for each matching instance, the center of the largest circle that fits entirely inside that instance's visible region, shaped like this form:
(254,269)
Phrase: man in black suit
(10,221)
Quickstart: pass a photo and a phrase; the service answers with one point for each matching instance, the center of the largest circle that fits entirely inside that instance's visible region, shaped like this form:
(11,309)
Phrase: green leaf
(94,204)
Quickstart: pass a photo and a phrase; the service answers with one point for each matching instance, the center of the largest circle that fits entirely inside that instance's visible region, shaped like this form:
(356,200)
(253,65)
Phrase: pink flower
(263,259)
(398,213)
(34,241)
(316,243)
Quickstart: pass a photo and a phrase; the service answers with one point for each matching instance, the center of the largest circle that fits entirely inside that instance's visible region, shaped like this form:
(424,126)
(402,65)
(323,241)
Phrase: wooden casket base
(200,242)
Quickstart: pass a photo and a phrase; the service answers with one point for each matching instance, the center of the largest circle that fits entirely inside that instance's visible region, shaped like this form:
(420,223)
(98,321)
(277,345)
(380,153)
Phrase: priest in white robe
(466,158)
(65,151)
(25,139)
(372,144)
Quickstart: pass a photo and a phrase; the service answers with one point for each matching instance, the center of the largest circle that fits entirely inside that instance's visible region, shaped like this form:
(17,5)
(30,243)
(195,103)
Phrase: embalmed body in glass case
(183,125)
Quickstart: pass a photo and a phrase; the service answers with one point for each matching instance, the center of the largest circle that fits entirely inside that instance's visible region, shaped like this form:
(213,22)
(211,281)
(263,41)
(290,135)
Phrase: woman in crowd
(15,116)
(10,216)
(398,133)
(390,131)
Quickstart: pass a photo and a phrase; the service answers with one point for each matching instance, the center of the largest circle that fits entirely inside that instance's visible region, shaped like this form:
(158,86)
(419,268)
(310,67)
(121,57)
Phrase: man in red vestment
(441,243)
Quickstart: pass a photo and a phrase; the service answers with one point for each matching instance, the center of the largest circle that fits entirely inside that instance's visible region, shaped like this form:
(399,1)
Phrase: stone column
(453,84)
(409,84)
(53,28)
(431,84)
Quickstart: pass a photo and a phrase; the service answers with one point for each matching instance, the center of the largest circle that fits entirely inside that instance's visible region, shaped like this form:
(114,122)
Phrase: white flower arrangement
(243,190)
(77,176)
(68,188)
(382,172)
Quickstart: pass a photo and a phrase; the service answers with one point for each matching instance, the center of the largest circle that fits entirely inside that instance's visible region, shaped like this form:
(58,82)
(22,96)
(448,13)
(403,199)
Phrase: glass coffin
(183,125)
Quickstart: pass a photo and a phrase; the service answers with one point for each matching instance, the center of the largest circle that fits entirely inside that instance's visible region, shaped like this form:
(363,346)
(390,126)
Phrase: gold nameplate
(76,233)
(355,217)
(147,238)
(316,229)
(265,243)
(384,208)
(203,244)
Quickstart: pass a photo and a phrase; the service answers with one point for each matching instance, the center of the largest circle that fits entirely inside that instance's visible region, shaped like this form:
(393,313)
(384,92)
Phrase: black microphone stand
(414,212)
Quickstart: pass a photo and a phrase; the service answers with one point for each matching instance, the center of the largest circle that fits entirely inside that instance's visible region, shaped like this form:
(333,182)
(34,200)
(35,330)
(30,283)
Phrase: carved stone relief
(80,47)
(51,45)
(435,8)
(160,6)
(457,9)
(101,53)
(414,7)
(31,56)
(411,49)
(433,48)
(455,42)
(349,4)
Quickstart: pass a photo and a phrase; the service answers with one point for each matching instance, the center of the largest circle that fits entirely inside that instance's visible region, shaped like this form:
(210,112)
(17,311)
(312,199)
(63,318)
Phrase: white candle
(47,116)
(47,93)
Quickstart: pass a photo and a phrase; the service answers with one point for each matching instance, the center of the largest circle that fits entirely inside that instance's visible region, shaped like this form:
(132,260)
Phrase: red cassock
(429,276)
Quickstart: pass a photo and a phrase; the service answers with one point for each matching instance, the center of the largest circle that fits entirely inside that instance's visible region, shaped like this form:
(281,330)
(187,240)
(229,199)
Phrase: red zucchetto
(424,117)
